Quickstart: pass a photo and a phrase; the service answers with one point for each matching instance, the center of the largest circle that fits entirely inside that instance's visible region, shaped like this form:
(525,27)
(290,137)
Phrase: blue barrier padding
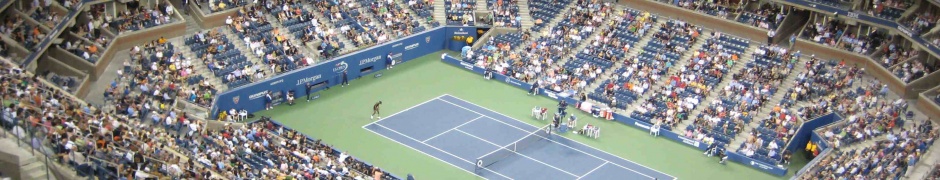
(733,156)
(252,97)
(462,32)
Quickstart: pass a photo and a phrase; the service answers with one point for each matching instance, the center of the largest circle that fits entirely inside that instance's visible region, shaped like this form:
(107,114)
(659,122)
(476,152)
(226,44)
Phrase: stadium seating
(670,41)
(626,33)
(226,62)
(68,83)
(394,18)
(889,158)
(713,8)
(460,12)
(837,34)
(914,69)
(423,9)
(263,148)
(505,13)
(766,16)
(546,11)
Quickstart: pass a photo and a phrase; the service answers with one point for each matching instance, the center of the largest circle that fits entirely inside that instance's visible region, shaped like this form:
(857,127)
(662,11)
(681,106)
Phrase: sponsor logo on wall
(638,124)
(305,80)
(509,80)
(689,141)
(467,65)
(235,99)
(340,67)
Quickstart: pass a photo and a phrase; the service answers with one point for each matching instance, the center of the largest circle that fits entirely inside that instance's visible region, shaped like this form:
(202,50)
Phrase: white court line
(448,153)
(409,108)
(422,152)
(451,129)
(592,170)
(520,154)
(592,147)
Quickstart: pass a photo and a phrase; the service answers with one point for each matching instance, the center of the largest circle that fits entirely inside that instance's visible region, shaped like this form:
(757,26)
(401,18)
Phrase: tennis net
(511,149)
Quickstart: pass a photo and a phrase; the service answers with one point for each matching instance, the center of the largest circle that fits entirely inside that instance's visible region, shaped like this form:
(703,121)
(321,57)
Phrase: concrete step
(439,14)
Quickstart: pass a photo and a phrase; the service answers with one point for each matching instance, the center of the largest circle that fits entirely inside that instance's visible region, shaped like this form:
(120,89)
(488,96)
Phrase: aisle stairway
(527,21)
(439,12)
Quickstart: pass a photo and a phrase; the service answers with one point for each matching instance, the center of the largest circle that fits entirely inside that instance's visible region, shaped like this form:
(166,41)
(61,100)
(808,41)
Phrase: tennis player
(375,110)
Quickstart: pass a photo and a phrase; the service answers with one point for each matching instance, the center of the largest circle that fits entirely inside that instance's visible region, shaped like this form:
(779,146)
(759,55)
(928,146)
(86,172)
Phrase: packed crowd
(505,13)
(888,9)
(894,53)
(836,34)
(724,117)
(824,85)
(355,25)
(721,8)
(677,96)
(460,12)
(18,29)
(920,23)
(891,158)
(221,58)
(912,70)
(580,23)
(767,16)
(108,144)
(214,6)
(137,17)
(424,8)
(636,76)
(271,45)
(398,20)
(265,150)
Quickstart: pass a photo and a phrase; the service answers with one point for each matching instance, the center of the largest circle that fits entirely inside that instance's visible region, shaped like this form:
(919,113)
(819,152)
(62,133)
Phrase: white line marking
(448,153)
(409,108)
(451,129)
(422,152)
(520,154)
(592,147)
(592,170)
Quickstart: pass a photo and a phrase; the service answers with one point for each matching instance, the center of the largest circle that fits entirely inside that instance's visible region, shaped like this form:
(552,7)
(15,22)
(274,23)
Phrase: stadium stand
(265,150)
(137,18)
(460,12)
(393,17)
(721,9)
(213,6)
(219,55)
(835,33)
(914,69)
(635,77)
(349,21)
(505,13)
(765,16)
(553,51)
(891,157)
(424,8)
(543,12)
(891,10)
(671,41)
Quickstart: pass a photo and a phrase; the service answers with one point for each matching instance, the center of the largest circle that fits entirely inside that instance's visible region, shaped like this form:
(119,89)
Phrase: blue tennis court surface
(459,133)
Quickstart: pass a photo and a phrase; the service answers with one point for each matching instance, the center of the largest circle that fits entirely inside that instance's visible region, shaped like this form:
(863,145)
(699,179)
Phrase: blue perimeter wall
(733,156)
(252,97)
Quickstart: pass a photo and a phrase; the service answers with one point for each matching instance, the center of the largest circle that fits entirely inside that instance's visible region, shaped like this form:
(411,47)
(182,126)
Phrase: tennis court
(495,146)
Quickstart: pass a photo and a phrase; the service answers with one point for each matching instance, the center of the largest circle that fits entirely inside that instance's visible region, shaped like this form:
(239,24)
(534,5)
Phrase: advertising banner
(359,64)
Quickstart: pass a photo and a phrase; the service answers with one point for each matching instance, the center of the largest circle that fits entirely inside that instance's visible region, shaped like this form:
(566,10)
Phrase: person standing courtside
(345,79)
